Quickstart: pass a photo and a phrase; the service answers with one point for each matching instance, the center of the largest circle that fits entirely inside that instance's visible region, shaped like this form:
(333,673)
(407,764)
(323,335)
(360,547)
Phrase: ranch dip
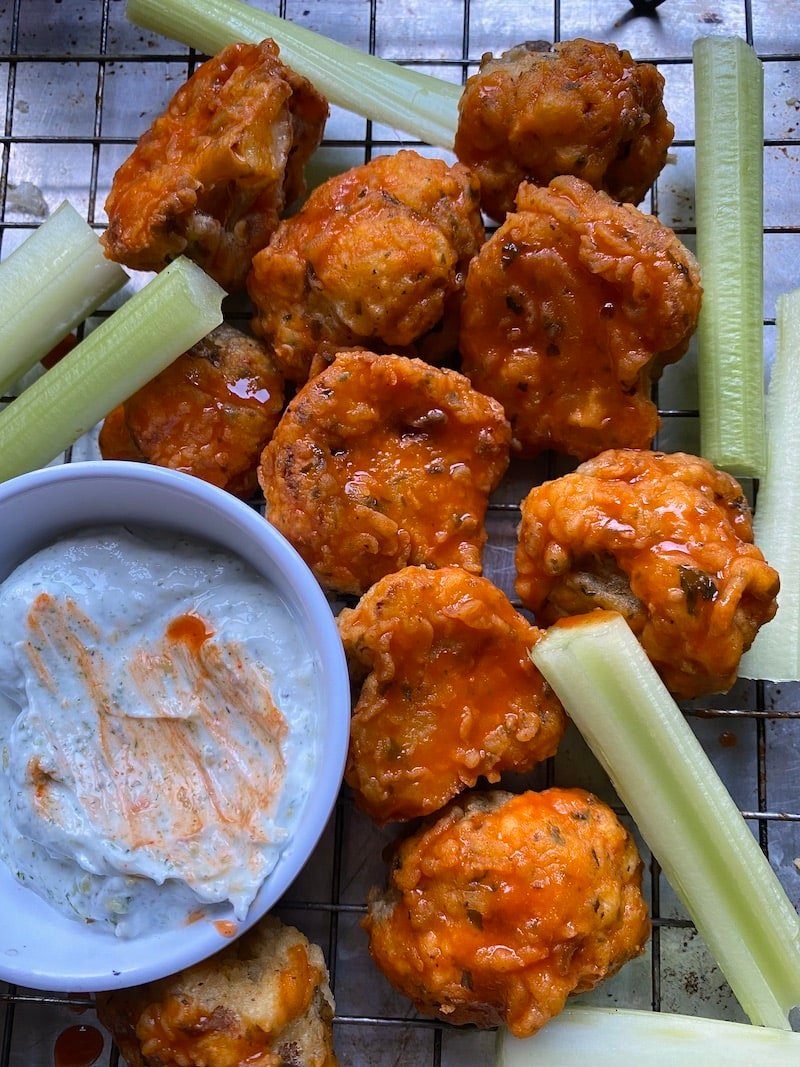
(156,705)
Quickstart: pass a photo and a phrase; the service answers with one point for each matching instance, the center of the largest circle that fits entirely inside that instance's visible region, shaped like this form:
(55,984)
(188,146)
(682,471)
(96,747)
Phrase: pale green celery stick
(170,314)
(376,88)
(684,812)
(609,1037)
(775,654)
(48,285)
(729,169)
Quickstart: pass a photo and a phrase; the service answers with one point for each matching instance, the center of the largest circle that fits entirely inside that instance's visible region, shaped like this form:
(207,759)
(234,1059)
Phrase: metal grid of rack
(81,84)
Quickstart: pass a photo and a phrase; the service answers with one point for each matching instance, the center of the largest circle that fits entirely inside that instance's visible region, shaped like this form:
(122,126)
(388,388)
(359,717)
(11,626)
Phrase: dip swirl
(156,699)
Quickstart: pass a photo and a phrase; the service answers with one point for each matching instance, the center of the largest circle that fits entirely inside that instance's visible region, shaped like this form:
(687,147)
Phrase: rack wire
(81,84)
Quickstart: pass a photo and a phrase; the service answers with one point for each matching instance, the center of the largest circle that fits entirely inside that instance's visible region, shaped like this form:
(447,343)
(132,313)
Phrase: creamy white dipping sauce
(156,728)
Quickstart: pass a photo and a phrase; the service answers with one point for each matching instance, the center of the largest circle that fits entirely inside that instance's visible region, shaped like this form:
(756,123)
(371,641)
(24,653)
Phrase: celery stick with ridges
(729,168)
(604,1037)
(376,88)
(48,285)
(170,314)
(775,654)
(684,812)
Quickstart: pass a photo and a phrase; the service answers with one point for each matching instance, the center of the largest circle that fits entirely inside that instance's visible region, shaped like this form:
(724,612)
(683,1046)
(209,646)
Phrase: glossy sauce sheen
(181,1030)
(155,704)
(77,1046)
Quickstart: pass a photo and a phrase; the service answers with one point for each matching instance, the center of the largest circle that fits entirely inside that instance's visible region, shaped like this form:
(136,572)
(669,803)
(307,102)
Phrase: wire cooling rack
(81,84)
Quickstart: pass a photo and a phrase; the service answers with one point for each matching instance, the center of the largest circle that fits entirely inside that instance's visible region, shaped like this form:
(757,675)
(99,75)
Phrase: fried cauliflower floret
(448,692)
(576,107)
(667,541)
(376,258)
(380,462)
(264,1000)
(210,413)
(571,310)
(505,905)
(213,174)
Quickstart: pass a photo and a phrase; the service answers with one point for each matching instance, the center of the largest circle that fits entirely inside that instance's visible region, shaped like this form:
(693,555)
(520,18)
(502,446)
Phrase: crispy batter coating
(571,310)
(263,1001)
(383,461)
(210,413)
(576,107)
(505,905)
(666,540)
(376,258)
(448,692)
(212,175)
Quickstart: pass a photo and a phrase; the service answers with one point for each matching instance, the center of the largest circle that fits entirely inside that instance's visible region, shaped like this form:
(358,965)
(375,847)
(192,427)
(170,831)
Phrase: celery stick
(376,88)
(54,280)
(775,654)
(604,1036)
(170,314)
(729,133)
(684,812)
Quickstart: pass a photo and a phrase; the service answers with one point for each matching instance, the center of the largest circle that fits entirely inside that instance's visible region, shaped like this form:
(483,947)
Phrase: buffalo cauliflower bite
(572,309)
(264,1000)
(376,258)
(505,905)
(667,541)
(576,107)
(213,174)
(210,413)
(448,692)
(383,461)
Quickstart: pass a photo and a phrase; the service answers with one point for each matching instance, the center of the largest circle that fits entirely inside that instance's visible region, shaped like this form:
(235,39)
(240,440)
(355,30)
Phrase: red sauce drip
(226,928)
(727,739)
(190,629)
(59,350)
(79,1009)
(77,1046)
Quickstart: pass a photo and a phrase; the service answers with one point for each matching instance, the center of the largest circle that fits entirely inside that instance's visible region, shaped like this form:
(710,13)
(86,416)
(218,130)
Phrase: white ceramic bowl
(38,946)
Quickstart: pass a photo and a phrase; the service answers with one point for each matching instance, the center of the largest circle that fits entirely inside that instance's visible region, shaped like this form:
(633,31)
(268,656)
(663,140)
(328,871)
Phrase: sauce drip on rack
(77,1046)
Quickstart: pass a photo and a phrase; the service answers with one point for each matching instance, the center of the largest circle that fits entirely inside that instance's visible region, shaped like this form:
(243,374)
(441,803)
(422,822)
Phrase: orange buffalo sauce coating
(210,413)
(376,258)
(262,1001)
(576,107)
(179,1030)
(571,309)
(448,691)
(382,461)
(667,541)
(212,175)
(505,905)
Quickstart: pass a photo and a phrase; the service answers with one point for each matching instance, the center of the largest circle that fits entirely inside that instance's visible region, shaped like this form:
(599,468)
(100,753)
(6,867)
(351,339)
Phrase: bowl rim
(309,603)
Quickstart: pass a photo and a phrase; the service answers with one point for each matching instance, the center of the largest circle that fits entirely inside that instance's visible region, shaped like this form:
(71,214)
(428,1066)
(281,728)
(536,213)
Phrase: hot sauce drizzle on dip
(155,703)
